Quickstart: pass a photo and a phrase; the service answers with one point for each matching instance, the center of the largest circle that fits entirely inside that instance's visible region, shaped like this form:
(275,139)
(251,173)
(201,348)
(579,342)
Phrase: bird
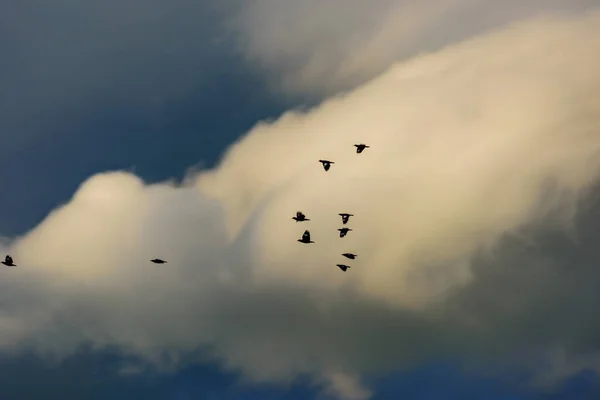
(305,238)
(360,147)
(326,164)
(343,267)
(158,261)
(344,231)
(345,217)
(8,261)
(350,255)
(300,217)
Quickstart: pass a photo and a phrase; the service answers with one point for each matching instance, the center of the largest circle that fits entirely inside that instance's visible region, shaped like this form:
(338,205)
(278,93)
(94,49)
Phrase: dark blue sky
(93,375)
(84,93)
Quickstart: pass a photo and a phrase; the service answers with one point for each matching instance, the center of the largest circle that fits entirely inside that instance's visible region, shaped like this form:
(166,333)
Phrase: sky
(191,131)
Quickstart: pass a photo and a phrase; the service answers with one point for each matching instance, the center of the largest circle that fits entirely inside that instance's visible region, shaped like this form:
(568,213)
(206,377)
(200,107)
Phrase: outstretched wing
(306,236)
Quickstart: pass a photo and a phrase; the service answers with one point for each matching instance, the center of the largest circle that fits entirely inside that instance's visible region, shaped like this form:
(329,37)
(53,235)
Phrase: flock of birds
(300,217)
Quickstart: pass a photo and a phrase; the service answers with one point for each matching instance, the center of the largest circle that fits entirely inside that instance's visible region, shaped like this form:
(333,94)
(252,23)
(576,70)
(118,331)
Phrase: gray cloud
(470,146)
(66,60)
(321,47)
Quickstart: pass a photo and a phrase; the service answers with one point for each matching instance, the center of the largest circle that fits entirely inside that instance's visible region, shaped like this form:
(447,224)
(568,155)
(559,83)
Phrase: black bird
(360,147)
(343,267)
(326,164)
(305,238)
(344,231)
(300,217)
(8,261)
(345,217)
(158,261)
(350,255)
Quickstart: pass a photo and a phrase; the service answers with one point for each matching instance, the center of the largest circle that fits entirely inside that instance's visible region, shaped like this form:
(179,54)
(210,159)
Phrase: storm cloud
(472,147)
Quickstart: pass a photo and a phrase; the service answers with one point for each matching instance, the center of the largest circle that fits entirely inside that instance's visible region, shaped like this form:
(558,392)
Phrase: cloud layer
(486,139)
(321,47)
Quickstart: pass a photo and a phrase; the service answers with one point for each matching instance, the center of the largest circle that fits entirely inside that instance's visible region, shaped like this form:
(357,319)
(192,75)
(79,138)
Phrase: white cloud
(324,46)
(468,144)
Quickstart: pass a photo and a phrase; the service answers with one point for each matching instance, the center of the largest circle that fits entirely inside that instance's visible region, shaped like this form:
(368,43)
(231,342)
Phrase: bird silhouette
(158,261)
(305,238)
(326,164)
(350,255)
(8,261)
(360,147)
(344,231)
(343,267)
(345,217)
(300,217)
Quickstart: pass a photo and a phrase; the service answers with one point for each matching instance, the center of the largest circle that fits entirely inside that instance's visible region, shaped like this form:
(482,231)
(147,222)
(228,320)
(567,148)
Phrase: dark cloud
(68,58)
(538,290)
(101,85)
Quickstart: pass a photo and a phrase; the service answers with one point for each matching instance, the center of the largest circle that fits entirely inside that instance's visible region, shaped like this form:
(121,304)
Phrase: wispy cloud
(318,47)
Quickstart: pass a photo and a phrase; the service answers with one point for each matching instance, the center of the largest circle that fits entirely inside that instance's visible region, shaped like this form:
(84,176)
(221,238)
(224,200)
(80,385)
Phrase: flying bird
(158,261)
(345,217)
(8,261)
(300,217)
(343,267)
(360,147)
(326,164)
(305,238)
(350,255)
(344,231)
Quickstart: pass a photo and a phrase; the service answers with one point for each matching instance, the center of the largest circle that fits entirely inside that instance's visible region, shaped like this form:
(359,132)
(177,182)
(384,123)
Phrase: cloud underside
(477,152)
